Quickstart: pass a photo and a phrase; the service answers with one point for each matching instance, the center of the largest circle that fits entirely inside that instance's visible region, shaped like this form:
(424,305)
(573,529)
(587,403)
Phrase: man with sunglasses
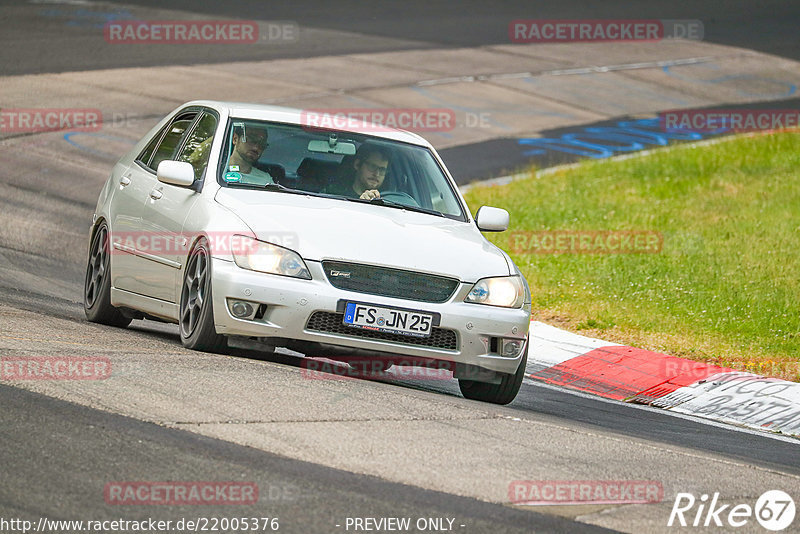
(249,143)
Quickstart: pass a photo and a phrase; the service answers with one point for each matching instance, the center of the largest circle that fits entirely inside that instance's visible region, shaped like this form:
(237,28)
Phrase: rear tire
(196,314)
(502,393)
(97,284)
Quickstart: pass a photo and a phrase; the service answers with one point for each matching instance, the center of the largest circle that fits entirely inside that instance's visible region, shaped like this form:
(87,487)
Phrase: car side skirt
(158,308)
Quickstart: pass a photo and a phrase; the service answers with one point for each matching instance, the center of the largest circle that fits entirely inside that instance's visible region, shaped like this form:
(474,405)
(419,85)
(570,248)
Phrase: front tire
(97,284)
(196,314)
(502,393)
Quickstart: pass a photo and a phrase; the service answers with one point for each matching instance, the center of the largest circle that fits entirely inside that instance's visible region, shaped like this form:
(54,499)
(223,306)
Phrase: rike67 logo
(774,510)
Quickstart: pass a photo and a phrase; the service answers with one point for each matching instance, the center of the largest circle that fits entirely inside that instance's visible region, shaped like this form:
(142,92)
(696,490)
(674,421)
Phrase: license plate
(409,323)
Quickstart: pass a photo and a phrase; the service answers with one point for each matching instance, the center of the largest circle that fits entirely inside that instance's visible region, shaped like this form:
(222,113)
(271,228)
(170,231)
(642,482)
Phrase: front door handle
(155,194)
(124,181)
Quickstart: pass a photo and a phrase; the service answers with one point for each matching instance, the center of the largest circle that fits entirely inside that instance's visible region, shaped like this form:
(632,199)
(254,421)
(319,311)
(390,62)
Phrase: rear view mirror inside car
(332,146)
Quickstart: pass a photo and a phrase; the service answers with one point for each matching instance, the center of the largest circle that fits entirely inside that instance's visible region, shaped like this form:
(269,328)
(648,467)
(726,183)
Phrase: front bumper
(291,302)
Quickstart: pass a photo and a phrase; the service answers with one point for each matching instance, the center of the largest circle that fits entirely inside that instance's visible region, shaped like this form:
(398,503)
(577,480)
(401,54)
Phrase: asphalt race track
(322,451)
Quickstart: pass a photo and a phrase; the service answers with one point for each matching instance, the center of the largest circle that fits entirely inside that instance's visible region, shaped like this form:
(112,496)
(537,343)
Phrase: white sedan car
(242,220)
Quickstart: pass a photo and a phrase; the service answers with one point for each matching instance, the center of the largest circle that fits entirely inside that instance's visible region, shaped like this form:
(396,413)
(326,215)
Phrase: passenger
(369,172)
(249,143)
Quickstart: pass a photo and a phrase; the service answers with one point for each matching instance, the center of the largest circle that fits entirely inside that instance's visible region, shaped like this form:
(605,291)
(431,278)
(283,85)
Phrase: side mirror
(178,173)
(491,219)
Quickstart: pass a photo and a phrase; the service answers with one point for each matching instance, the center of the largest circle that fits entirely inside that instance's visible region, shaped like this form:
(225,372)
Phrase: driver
(370,164)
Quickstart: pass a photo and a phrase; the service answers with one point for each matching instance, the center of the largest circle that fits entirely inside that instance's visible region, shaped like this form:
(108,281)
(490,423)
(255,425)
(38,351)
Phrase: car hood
(332,229)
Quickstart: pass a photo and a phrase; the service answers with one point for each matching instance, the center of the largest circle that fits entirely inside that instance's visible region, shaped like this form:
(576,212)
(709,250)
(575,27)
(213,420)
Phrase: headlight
(505,291)
(268,258)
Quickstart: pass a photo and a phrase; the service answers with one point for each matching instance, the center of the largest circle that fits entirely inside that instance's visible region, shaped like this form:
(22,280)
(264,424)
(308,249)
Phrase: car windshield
(343,165)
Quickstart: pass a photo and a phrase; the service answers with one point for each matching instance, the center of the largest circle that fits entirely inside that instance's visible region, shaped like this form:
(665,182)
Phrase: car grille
(389,282)
(332,323)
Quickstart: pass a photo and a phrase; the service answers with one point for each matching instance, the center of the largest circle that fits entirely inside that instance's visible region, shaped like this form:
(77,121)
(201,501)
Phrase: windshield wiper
(280,187)
(392,204)
(270,187)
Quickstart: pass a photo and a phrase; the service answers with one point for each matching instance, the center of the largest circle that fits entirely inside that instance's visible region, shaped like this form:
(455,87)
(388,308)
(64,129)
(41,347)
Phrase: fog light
(512,347)
(241,309)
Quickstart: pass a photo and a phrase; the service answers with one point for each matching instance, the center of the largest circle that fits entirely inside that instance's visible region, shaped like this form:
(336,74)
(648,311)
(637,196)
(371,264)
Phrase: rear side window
(165,143)
(197,148)
(169,144)
(147,154)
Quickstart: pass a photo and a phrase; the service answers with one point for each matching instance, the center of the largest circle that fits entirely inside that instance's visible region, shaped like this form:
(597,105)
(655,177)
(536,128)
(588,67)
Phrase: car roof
(242,110)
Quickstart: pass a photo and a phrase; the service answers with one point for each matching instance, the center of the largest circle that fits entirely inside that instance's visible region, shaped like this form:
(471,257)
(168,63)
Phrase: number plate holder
(389,319)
